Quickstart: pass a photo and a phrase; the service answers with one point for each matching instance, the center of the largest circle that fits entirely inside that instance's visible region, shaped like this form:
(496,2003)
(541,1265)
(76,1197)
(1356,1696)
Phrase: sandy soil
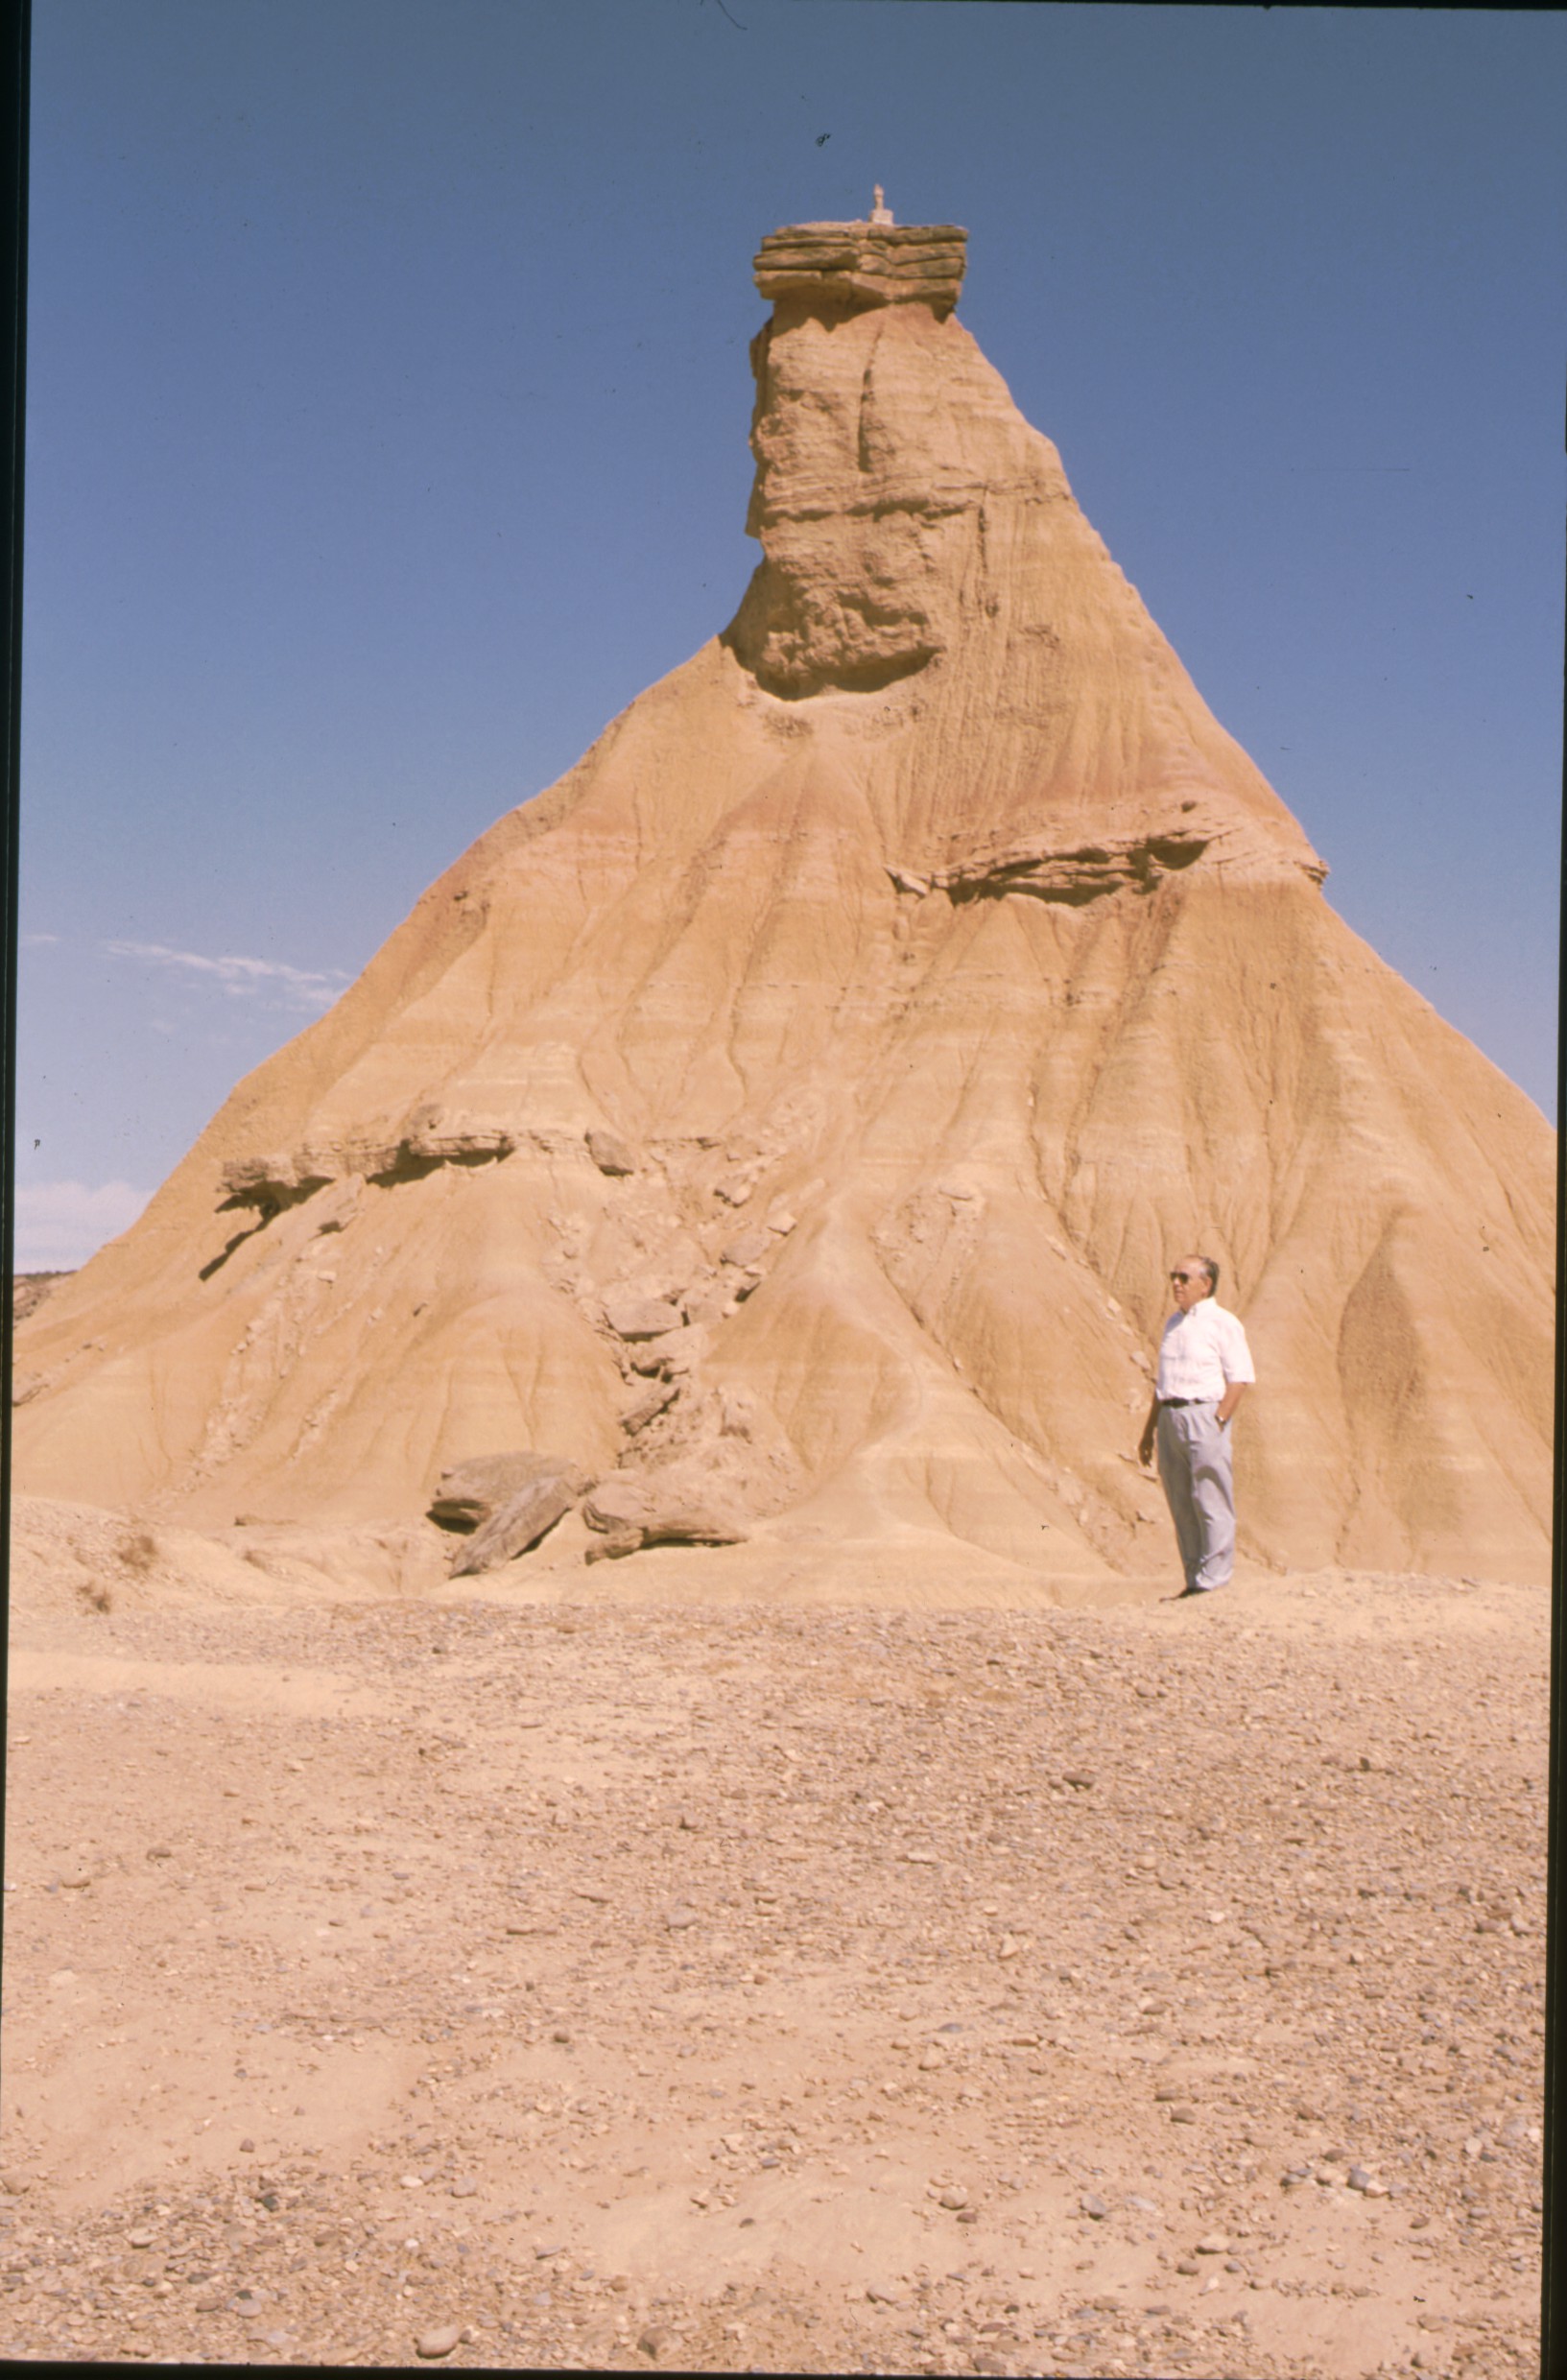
(606,1970)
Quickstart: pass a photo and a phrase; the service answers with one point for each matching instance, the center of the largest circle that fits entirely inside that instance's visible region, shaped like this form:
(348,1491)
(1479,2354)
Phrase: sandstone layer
(846,1045)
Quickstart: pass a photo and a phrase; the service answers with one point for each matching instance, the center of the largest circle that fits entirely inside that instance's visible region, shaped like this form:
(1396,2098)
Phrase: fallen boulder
(671,1506)
(471,1493)
(647,1407)
(642,1318)
(517,1525)
(673,1350)
(609,1152)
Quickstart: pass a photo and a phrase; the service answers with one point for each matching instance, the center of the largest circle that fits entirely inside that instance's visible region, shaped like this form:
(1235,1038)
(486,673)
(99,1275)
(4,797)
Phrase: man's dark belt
(1188,1400)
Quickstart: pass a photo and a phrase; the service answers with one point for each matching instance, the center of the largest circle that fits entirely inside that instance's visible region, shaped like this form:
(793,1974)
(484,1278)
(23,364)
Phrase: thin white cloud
(242,979)
(61,1223)
(36,942)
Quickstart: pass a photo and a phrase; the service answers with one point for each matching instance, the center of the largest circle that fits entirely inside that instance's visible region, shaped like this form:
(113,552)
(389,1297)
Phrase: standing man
(1204,1371)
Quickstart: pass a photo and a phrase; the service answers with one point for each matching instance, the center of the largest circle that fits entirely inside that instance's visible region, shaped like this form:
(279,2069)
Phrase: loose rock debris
(572,2000)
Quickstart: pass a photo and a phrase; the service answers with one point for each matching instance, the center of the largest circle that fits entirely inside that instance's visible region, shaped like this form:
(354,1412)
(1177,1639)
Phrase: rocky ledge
(864,264)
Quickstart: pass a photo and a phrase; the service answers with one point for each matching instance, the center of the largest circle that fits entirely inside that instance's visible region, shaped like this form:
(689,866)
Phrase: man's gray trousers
(1198,1487)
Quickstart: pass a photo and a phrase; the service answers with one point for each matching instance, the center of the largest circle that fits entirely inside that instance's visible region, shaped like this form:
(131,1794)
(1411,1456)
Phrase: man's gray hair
(1212,1272)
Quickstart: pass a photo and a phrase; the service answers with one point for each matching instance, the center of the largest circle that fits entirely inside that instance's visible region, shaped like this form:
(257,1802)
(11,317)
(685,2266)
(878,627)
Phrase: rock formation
(841,1049)
(505,1503)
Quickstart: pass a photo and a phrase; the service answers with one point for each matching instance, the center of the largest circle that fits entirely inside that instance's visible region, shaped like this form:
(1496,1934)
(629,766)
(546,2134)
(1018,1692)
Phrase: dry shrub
(94,1595)
(138,1550)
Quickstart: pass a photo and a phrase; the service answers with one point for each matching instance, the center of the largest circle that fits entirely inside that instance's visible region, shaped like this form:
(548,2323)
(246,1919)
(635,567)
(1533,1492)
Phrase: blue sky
(388,408)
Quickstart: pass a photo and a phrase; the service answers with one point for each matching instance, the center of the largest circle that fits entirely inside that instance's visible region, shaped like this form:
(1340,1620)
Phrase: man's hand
(1144,1446)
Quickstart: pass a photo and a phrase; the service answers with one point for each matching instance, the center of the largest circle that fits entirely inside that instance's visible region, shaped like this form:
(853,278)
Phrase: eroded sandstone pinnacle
(786,1118)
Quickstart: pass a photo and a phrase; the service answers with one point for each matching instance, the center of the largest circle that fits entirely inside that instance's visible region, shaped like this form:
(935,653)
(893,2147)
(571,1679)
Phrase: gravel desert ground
(616,1968)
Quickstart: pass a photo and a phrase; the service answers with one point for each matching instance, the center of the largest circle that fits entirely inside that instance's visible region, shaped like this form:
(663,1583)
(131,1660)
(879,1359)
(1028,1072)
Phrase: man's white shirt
(1202,1352)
